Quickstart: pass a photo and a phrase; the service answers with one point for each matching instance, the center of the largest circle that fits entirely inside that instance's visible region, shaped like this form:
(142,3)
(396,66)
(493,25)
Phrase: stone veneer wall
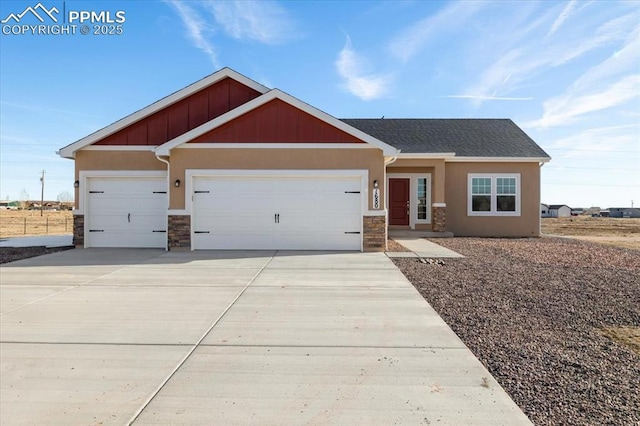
(439,219)
(78,230)
(179,231)
(374,235)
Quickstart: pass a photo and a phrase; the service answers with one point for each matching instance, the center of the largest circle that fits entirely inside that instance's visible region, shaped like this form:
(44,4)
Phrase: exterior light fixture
(76,184)
(177,183)
(375,184)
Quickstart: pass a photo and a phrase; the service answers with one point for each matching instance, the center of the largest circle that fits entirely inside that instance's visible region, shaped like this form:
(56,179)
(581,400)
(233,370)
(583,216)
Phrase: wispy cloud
(594,142)
(263,21)
(411,40)
(569,107)
(562,17)
(352,68)
(489,98)
(196,28)
(535,55)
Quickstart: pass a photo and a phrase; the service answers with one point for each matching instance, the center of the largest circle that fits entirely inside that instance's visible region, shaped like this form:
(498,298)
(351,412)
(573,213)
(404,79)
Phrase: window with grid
(494,195)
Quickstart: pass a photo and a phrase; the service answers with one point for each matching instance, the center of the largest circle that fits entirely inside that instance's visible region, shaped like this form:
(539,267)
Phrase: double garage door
(230,212)
(277,212)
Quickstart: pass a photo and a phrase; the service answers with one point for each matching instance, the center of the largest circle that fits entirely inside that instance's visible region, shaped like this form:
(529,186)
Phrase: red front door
(398,201)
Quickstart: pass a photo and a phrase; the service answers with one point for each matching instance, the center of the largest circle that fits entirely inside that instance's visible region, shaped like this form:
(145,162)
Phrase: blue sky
(567,72)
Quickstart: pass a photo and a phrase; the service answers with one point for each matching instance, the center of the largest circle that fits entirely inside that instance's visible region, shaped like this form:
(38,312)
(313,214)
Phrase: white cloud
(364,85)
(562,17)
(410,41)
(489,98)
(569,107)
(196,27)
(536,55)
(263,21)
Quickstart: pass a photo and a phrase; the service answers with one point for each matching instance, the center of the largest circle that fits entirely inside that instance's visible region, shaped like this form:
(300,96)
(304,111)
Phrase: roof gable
(276,122)
(175,114)
(285,104)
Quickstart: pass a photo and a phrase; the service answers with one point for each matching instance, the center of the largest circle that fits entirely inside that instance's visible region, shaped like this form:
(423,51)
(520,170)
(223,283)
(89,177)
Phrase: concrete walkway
(101,336)
(40,240)
(422,248)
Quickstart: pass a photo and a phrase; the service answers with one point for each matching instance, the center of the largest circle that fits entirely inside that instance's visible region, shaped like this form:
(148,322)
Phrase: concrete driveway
(103,336)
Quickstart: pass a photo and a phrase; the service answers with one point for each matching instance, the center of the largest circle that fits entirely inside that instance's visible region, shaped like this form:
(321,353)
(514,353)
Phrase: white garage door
(126,212)
(287,213)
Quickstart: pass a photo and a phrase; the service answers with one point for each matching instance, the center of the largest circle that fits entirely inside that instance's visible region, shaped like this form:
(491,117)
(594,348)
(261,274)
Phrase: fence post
(65,224)
(47,225)
(25,226)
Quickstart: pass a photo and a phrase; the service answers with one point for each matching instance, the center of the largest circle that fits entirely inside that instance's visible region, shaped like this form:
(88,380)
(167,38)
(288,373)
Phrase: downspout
(168,196)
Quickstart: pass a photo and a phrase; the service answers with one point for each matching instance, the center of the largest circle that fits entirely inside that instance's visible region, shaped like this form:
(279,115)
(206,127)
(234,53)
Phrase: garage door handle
(200,232)
(129,218)
(351,192)
(276,218)
(200,192)
(96,192)
(158,231)
(96,230)
(352,232)
(159,192)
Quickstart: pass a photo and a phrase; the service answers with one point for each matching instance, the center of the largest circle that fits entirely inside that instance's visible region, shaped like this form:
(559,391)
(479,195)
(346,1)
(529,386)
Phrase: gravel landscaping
(534,310)
(11,254)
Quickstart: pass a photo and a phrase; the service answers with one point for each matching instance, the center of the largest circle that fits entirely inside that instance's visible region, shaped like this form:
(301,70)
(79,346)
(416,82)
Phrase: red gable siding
(276,122)
(184,115)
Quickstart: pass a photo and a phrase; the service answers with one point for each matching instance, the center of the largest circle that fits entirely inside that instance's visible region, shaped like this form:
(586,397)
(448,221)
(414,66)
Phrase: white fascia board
(297,145)
(70,150)
(262,100)
(499,159)
(150,148)
(428,155)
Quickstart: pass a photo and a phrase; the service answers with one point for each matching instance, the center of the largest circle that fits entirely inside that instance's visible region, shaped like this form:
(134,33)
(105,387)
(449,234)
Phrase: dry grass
(626,336)
(621,232)
(14,223)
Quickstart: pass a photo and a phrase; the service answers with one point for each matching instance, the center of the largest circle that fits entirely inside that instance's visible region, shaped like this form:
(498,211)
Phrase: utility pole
(42,195)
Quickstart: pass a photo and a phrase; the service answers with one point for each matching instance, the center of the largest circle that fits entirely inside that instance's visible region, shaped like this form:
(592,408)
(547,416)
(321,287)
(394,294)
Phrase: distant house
(559,210)
(577,211)
(544,210)
(624,212)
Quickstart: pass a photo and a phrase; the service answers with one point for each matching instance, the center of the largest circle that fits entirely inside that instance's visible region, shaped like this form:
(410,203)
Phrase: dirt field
(20,223)
(619,232)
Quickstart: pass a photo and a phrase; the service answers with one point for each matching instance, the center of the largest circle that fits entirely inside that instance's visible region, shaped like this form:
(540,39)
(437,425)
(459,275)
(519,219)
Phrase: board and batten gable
(184,115)
(276,122)
(527,224)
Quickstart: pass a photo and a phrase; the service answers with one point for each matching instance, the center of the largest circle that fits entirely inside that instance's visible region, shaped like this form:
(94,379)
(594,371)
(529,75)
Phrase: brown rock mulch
(12,254)
(532,311)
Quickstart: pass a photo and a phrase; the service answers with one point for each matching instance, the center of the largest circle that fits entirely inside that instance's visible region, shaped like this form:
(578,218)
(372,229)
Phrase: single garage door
(126,212)
(277,212)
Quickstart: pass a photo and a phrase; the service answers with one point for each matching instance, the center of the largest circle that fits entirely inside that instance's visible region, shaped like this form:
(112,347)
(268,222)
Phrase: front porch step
(416,233)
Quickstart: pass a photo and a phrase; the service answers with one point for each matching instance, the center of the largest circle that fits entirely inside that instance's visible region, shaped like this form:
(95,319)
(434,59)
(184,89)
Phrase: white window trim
(493,177)
(413,196)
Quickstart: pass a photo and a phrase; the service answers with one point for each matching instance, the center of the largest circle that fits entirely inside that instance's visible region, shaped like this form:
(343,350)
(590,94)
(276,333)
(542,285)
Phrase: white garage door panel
(315,213)
(127,212)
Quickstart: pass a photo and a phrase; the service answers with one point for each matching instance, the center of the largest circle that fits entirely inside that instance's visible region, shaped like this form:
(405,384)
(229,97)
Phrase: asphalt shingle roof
(465,137)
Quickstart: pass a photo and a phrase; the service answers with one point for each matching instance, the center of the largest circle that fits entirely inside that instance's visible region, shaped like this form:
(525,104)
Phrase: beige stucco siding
(273,159)
(435,167)
(525,225)
(115,160)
